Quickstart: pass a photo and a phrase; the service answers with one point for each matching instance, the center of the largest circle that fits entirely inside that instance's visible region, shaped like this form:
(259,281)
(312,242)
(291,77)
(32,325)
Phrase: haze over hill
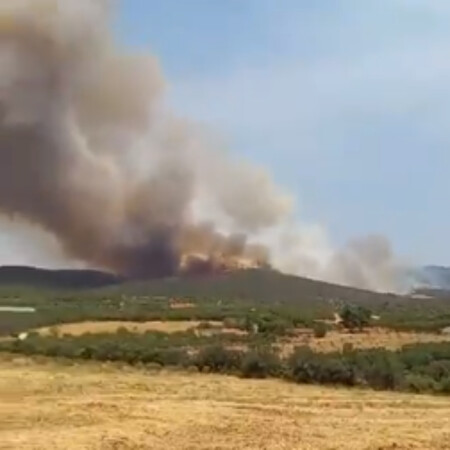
(437,277)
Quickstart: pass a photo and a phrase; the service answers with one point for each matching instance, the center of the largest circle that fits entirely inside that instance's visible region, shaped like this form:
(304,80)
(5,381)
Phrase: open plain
(48,404)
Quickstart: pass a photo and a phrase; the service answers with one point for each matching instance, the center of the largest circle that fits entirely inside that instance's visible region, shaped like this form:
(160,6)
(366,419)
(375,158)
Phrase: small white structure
(17,309)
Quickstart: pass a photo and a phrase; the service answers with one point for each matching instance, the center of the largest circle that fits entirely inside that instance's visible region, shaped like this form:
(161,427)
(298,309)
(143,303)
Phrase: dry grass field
(49,405)
(369,338)
(77,329)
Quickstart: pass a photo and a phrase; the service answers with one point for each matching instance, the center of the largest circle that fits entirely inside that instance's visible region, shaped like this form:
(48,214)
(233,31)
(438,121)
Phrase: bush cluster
(417,368)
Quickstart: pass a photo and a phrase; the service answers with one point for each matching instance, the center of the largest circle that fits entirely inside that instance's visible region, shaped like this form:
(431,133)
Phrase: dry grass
(77,329)
(178,304)
(48,405)
(370,338)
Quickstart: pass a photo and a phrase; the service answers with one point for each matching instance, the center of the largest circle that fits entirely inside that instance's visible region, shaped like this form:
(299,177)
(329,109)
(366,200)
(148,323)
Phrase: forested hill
(57,279)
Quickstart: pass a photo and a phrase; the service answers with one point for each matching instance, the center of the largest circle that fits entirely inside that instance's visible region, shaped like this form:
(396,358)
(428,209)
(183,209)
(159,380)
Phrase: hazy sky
(347,102)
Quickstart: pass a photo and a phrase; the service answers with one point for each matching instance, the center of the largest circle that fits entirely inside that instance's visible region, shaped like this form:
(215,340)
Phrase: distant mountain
(57,279)
(433,277)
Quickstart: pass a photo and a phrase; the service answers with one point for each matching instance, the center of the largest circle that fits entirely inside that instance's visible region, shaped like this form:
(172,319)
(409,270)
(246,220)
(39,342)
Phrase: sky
(345,102)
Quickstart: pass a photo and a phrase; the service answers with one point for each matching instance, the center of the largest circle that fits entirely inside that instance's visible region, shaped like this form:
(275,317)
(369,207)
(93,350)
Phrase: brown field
(48,405)
(370,338)
(77,329)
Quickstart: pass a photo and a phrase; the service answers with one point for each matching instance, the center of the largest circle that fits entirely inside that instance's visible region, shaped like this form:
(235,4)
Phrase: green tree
(355,318)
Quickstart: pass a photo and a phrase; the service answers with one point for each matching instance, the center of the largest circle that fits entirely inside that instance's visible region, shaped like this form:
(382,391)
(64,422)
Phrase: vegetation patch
(417,368)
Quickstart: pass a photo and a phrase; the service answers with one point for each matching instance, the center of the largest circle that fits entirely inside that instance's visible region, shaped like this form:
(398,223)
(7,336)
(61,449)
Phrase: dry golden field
(77,329)
(49,405)
(369,338)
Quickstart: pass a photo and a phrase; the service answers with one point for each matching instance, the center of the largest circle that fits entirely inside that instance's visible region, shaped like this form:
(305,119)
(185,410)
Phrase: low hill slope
(57,279)
(265,286)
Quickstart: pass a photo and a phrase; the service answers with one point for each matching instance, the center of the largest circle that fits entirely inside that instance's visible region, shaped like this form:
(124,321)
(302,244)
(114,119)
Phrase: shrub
(218,359)
(54,331)
(355,317)
(232,322)
(347,348)
(438,370)
(380,369)
(444,386)
(260,364)
(273,325)
(420,383)
(308,367)
(320,330)
(205,326)
(336,371)
(123,331)
(412,356)
(172,357)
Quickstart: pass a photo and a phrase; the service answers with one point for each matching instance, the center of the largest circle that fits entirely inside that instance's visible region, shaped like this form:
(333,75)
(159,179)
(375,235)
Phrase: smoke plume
(90,153)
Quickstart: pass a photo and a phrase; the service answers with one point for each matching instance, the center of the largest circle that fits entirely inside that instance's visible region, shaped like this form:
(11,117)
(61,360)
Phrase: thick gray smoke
(90,153)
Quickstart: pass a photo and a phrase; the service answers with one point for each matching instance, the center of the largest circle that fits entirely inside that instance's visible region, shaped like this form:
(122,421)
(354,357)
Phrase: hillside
(56,279)
(265,286)
(77,295)
(261,285)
